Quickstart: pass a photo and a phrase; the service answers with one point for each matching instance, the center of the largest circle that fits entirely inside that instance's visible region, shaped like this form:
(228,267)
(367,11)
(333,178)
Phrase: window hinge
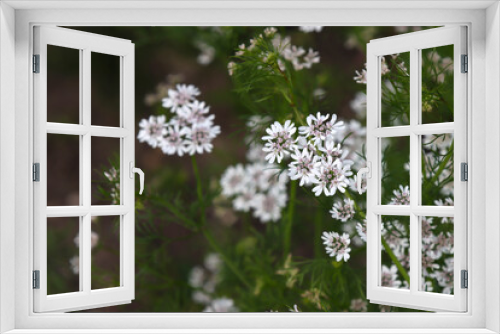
(36,172)
(464,172)
(36,63)
(36,279)
(464,279)
(465,64)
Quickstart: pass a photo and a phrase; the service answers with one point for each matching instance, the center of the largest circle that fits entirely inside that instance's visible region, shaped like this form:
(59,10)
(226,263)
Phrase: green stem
(388,250)
(287,235)
(207,234)
(394,259)
(224,257)
(442,165)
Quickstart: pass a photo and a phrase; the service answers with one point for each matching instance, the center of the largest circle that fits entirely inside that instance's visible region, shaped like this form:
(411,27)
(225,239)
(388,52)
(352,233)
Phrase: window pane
(105,171)
(437,169)
(63,85)
(395,171)
(395,246)
(63,170)
(105,89)
(395,89)
(105,252)
(437,84)
(63,261)
(437,254)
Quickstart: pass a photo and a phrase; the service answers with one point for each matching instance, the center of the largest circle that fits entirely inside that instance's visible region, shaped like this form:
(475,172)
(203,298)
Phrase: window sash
(86,43)
(413,43)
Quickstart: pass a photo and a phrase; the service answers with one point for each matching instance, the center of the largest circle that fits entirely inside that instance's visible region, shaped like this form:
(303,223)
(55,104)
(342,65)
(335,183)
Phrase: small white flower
(312,57)
(361,229)
(337,246)
(234,180)
(333,176)
(308,29)
(221,305)
(94,239)
(213,262)
(305,166)
(320,128)
(74,263)
(173,143)
(358,105)
(195,112)
(196,277)
(268,206)
(152,130)
(270,31)
(207,53)
(279,141)
(343,211)
(201,297)
(390,277)
(199,137)
(183,95)
(294,309)
(360,77)
(401,196)
(231,67)
(244,201)
(358,305)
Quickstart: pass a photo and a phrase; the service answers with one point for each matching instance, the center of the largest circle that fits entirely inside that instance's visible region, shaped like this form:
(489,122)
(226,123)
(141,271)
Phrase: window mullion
(414,169)
(86,167)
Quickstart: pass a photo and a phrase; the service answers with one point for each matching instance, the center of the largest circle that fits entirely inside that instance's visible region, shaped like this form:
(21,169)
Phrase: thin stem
(206,233)
(224,257)
(394,259)
(287,235)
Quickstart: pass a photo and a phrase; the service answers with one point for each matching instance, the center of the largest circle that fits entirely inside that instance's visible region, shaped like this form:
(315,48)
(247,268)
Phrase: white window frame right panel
(413,43)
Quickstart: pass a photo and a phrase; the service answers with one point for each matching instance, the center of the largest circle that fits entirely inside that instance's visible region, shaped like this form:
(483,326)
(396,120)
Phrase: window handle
(365,170)
(139,171)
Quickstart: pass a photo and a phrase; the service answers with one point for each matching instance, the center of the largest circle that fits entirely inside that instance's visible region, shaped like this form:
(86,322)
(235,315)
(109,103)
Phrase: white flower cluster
(256,187)
(343,211)
(190,130)
(308,29)
(389,277)
(401,196)
(316,158)
(337,245)
(204,279)
(361,77)
(296,55)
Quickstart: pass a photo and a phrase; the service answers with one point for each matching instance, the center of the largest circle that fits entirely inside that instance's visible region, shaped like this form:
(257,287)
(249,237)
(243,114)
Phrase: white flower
(270,31)
(358,305)
(183,95)
(94,239)
(207,53)
(74,263)
(444,276)
(294,309)
(358,105)
(244,201)
(152,130)
(221,305)
(360,77)
(231,67)
(390,277)
(320,128)
(196,277)
(201,297)
(361,229)
(308,29)
(279,141)
(195,112)
(200,137)
(234,180)
(305,166)
(255,153)
(337,246)
(332,177)
(174,142)
(312,57)
(213,262)
(401,196)
(343,212)
(268,206)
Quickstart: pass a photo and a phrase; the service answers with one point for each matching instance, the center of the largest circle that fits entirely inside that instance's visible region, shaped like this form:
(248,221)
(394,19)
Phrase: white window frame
(16,22)
(413,43)
(85,43)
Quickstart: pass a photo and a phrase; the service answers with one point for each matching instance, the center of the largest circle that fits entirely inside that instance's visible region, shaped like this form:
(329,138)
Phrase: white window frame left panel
(86,43)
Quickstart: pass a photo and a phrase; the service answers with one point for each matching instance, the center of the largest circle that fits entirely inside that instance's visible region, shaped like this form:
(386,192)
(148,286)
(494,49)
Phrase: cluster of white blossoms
(189,130)
(204,280)
(361,76)
(299,57)
(257,186)
(308,29)
(337,245)
(113,177)
(401,196)
(343,211)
